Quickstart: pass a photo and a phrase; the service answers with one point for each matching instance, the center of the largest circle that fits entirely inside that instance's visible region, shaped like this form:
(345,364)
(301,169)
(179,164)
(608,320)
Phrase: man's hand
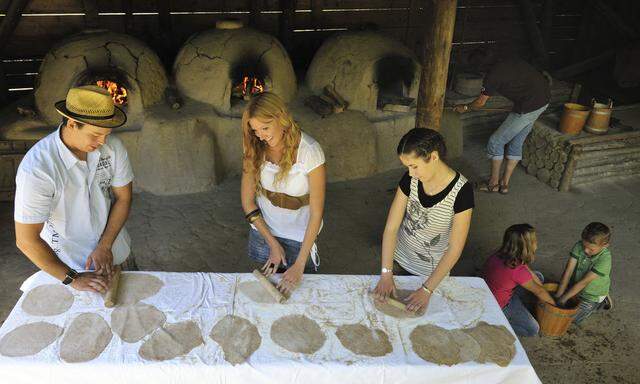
(90,281)
(462,108)
(102,260)
(291,278)
(418,300)
(386,287)
(276,257)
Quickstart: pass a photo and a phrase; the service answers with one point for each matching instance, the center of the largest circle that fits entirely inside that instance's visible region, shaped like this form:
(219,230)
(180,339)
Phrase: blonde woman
(282,190)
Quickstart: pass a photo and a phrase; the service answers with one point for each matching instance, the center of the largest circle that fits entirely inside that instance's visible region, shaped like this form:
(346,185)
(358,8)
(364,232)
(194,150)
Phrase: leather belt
(285,201)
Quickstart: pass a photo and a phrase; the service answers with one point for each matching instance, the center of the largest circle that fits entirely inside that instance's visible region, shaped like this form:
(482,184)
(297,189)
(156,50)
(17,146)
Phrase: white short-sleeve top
(72,197)
(287,223)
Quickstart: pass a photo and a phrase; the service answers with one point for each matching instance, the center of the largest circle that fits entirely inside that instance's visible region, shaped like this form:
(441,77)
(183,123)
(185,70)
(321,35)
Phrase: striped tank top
(423,237)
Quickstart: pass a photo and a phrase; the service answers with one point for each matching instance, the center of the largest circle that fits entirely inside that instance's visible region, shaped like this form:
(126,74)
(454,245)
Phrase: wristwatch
(71,275)
(386,270)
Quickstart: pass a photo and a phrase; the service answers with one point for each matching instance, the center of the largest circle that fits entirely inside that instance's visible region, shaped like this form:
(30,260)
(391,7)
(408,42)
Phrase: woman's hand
(386,287)
(291,278)
(90,281)
(418,300)
(276,257)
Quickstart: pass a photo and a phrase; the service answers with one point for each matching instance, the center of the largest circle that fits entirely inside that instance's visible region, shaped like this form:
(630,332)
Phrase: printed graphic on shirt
(415,218)
(103,173)
(55,238)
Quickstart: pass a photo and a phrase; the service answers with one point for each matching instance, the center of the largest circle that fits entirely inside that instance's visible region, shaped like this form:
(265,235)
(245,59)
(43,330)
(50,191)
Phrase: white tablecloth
(330,300)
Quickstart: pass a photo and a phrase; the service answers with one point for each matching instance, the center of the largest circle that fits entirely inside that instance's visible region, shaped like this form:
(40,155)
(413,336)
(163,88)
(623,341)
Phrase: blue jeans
(585,309)
(512,133)
(521,320)
(258,250)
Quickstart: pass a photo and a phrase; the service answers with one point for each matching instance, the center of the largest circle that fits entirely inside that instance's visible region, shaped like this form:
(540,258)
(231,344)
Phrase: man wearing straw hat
(73,194)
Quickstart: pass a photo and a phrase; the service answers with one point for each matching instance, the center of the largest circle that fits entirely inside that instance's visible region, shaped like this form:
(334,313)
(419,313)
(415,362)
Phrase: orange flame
(118,93)
(250,86)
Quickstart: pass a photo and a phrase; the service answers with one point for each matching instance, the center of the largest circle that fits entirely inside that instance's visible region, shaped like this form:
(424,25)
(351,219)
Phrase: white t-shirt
(287,223)
(72,197)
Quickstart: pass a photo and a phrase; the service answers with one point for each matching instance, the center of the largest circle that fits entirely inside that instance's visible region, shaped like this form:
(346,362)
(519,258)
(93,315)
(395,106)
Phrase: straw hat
(91,105)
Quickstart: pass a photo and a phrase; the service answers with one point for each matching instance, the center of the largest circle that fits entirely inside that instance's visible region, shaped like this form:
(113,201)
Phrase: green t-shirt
(599,264)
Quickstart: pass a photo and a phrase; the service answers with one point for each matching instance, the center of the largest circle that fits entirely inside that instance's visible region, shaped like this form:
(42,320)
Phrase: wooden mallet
(111,296)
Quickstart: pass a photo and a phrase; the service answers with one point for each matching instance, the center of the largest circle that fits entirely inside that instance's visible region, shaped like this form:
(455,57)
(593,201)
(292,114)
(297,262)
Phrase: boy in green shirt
(588,269)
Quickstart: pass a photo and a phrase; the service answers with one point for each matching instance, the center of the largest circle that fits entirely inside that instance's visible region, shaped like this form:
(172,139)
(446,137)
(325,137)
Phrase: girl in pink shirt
(508,269)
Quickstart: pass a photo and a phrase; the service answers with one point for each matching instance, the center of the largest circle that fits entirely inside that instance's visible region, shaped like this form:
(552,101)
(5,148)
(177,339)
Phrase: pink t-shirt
(502,280)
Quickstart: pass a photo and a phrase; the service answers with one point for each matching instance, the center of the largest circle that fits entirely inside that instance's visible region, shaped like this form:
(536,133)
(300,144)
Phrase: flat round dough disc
(29,339)
(363,340)
(469,347)
(496,343)
(85,339)
(48,300)
(390,310)
(237,337)
(137,286)
(435,344)
(133,322)
(297,333)
(171,341)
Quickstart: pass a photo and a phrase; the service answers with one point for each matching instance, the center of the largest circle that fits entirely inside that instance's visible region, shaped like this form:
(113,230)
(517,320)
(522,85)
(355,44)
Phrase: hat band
(72,114)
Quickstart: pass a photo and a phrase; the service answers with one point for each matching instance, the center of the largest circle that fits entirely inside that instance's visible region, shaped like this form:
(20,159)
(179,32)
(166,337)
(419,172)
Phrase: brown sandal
(484,186)
(504,189)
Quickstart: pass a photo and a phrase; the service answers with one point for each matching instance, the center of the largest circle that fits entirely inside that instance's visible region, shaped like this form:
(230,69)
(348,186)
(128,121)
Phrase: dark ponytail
(422,142)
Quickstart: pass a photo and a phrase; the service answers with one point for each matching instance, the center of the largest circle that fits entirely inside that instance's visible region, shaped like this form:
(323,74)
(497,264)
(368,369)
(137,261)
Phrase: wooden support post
(441,18)
(535,36)
(316,12)
(127,8)
(91,20)
(413,22)
(254,16)
(164,16)
(582,48)
(9,24)
(546,22)
(286,21)
(11,20)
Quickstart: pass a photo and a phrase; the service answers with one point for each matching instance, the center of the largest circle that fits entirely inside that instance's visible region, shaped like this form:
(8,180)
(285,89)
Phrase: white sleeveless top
(282,222)
(423,237)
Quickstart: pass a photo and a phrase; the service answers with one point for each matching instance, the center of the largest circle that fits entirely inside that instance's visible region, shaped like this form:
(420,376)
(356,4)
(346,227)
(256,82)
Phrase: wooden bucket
(573,118)
(553,321)
(598,122)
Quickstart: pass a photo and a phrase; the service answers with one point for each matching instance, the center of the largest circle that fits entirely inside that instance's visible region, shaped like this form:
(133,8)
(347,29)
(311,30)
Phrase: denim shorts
(512,133)
(258,250)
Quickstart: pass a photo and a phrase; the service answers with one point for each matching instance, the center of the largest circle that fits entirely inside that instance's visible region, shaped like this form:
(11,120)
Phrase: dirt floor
(207,232)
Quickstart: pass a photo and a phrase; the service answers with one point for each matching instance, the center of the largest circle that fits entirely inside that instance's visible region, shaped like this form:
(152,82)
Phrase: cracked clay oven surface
(204,66)
(96,52)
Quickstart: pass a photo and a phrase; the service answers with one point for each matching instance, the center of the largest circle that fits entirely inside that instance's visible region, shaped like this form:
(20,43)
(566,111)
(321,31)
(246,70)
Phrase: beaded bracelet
(253,214)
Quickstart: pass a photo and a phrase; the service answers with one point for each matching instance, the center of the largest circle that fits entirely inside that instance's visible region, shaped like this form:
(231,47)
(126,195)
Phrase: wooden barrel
(573,118)
(553,321)
(598,122)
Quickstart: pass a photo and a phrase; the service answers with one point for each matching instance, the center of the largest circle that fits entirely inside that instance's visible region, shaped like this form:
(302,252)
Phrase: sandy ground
(207,232)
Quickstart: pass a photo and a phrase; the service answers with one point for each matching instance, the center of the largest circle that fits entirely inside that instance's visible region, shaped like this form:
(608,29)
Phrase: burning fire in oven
(118,93)
(248,87)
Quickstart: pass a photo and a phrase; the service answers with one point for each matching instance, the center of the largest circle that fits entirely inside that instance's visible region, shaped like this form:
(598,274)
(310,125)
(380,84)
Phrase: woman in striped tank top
(429,219)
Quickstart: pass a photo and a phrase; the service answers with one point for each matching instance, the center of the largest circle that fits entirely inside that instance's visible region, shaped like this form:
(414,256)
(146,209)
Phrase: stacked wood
(606,156)
(327,103)
(545,154)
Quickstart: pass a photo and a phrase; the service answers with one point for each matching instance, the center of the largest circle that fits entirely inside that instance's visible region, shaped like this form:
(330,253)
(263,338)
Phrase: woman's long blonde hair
(268,107)
(518,245)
